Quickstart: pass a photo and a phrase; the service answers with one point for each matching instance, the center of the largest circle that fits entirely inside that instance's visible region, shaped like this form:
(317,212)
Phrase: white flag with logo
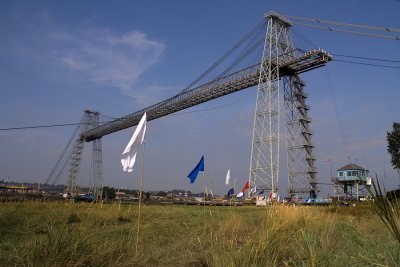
(129,155)
(228,177)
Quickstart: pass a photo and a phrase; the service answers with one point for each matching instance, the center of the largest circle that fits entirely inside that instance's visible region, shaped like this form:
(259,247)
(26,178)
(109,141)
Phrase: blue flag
(193,174)
(231,192)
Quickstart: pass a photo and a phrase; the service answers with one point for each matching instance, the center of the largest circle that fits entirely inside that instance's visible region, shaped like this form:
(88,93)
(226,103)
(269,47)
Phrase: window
(349,173)
(340,173)
(354,173)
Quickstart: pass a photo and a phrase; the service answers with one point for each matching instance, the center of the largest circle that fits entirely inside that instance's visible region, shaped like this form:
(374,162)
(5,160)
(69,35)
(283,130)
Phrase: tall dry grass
(387,210)
(62,234)
(302,236)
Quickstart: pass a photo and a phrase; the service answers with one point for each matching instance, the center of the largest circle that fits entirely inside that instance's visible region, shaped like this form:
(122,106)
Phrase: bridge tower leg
(264,162)
(89,120)
(299,148)
(97,172)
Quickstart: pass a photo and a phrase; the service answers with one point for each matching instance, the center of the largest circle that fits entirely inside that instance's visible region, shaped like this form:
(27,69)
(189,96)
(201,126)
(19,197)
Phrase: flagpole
(212,195)
(119,200)
(128,159)
(234,190)
(211,184)
(204,201)
(140,199)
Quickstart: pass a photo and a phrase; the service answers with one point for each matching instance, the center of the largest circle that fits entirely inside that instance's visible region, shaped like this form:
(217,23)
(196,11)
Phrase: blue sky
(58,58)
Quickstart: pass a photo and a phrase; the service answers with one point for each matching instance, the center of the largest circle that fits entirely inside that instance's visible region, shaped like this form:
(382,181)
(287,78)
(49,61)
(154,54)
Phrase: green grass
(386,209)
(64,234)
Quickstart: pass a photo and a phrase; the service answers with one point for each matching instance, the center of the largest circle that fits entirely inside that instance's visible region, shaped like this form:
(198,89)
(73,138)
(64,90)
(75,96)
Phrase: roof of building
(352,166)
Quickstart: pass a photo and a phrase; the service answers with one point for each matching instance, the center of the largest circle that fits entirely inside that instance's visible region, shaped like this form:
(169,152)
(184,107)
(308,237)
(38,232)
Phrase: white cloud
(106,57)
(82,53)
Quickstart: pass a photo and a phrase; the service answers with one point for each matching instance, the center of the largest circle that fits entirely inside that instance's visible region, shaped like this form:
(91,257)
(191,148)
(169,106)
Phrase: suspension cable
(63,154)
(367,64)
(367,58)
(351,25)
(350,32)
(236,46)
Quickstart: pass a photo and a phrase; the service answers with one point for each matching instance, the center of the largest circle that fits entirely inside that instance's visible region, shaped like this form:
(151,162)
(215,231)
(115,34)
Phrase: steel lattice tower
(300,159)
(97,167)
(89,120)
(264,162)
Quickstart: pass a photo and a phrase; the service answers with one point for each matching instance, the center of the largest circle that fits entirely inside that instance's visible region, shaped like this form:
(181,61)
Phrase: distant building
(352,172)
(20,189)
(121,196)
(351,182)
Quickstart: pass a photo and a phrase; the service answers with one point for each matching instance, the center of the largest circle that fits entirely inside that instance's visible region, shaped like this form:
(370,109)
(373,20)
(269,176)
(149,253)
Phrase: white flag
(253,190)
(206,190)
(240,194)
(129,155)
(228,177)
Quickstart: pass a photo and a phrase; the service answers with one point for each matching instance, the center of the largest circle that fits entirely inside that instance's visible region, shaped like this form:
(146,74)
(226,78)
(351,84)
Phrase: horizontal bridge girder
(237,81)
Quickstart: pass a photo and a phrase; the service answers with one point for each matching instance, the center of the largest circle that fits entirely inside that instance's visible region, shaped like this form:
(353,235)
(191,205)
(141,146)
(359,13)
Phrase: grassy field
(66,234)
